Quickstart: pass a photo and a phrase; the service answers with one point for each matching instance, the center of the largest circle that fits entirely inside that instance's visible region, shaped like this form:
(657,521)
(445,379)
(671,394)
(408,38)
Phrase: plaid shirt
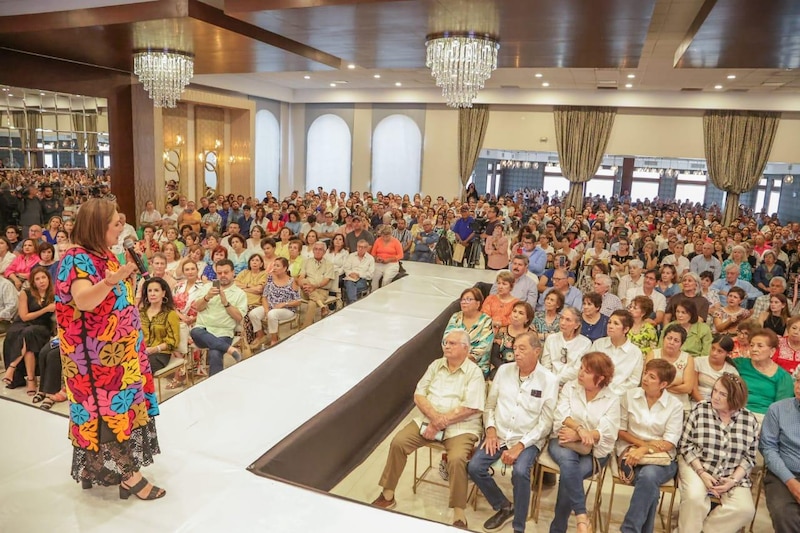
(720,448)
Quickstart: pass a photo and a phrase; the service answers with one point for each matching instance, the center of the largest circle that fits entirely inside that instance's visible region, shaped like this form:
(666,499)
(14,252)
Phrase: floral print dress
(108,380)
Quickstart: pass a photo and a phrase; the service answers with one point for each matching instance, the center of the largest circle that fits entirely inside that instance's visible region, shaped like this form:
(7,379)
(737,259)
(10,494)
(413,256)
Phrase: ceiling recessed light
(631,76)
(376,76)
(545,84)
(351,66)
(537,75)
(9,94)
(333,85)
(306,77)
(731,76)
(41,94)
(398,84)
(718,86)
(628,85)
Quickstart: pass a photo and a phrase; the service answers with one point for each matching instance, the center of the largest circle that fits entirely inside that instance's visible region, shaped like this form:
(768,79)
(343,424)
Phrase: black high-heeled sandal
(154,494)
(8,380)
(39,397)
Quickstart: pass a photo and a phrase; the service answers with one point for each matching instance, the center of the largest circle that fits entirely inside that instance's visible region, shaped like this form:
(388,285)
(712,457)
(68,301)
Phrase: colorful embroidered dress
(108,379)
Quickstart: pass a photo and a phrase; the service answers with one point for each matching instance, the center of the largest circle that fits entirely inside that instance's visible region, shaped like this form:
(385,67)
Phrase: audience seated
(359,267)
(451,396)
(519,418)
(387,252)
(280,301)
(780,445)
(477,324)
(220,308)
(315,277)
(524,287)
(499,305)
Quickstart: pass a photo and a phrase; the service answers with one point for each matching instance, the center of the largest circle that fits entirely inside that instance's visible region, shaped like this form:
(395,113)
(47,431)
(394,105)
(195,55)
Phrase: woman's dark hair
(624,316)
(219,248)
(676,328)
(707,274)
(283,261)
(663,369)
(736,389)
(600,365)
(645,303)
(690,307)
(593,298)
(528,312)
(267,240)
(724,341)
(475,293)
(167,304)
(49,293)
(344,242)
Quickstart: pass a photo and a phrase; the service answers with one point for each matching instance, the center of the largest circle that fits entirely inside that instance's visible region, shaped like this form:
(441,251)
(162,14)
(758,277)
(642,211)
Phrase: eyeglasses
(468,300)
(452,343)
(564,355)
(558,279)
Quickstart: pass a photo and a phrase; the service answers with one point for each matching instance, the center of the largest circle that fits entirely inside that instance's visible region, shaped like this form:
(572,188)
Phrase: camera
(478,225)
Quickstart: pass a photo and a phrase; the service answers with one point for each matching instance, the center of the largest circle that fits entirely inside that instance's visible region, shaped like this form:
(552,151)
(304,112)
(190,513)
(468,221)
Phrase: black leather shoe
(499,519)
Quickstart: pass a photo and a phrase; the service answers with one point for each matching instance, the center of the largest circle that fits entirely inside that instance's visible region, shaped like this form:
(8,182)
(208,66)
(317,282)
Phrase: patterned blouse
(645,339)
(542,327)
(276,294)
(785,356)
(721,448)
(481,335)
(745,270)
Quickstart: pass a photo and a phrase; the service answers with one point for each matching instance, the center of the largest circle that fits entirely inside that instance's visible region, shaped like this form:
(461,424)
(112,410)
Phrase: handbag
(458,252)
(626,473)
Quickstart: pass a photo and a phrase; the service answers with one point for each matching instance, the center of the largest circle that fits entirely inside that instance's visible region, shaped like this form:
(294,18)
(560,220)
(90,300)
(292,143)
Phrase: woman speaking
(108,379)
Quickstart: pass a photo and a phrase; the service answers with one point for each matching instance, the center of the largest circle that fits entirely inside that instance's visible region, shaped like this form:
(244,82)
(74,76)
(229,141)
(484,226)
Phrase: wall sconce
(789,178)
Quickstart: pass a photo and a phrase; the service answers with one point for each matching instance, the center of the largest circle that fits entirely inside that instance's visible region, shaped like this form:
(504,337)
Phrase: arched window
(268,154)
(396,154)
(328,154)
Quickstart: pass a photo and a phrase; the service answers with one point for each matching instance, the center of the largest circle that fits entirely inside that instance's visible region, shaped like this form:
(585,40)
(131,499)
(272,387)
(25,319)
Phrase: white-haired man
(451,396)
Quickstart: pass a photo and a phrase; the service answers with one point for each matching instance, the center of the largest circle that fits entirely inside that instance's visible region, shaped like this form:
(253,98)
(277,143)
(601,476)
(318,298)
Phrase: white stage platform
(212,432)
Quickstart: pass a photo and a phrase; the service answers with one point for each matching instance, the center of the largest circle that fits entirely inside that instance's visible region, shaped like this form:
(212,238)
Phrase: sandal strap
(139,486)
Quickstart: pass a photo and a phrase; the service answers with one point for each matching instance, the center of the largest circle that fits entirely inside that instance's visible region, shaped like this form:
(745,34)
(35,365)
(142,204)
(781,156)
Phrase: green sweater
(698,339)
(763,391)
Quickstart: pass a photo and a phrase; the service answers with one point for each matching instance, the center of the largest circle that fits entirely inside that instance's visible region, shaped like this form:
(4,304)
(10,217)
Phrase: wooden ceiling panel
(744,34)
(391,34)
(217,50)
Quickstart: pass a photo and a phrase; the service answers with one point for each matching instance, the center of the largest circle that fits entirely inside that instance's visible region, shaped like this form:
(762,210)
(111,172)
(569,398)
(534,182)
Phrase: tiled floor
(430,502)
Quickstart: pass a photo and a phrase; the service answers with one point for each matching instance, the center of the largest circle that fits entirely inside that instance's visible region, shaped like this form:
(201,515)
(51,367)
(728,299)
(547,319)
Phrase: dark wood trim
(216,17)
(100,16)
(697,23)
(246,6)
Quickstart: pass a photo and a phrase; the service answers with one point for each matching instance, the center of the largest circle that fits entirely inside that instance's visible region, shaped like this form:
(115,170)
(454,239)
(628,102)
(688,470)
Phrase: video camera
(478,225)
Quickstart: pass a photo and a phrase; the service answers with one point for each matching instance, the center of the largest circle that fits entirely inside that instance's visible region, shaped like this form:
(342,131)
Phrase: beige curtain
(737,146)
(582,135)
(29,125)
(472,124)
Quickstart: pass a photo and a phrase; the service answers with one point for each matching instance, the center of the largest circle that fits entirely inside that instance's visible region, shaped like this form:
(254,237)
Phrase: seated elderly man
(780,446)
(424,246)
(519,418)
(525,285)
(777,285)
(358,270)
(315,275)
(451,396)
(632,280)
(731,279)
(572,296)
(611,302)
(387,252)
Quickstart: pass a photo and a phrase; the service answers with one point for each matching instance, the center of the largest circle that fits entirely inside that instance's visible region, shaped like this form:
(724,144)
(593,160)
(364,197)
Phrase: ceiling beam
(216,17)
(691,33)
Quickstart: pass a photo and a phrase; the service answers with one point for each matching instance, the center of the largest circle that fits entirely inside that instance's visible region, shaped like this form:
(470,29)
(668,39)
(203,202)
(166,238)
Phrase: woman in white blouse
(337,254)
(587,417)
(651,420)
(563,350)
(711,367)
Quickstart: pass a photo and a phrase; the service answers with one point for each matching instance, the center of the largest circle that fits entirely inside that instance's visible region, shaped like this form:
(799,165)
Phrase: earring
(164,300)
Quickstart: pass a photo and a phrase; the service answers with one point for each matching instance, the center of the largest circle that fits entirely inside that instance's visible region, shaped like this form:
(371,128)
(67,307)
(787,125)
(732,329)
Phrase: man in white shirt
(308,225)
(705,261)
(328,228)
(648,289)
(358,270)
(128,231)
(627,357)
(519,418)
(451,395)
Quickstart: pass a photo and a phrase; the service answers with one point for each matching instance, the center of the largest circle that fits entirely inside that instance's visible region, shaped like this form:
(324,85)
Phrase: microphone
(130,246)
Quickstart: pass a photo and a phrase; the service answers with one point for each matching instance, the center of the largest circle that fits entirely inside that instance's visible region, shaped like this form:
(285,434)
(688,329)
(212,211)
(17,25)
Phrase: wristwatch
(227,305)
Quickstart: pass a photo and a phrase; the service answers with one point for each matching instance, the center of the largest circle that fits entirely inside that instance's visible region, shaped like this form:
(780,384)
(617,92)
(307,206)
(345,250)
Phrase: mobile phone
(216,284)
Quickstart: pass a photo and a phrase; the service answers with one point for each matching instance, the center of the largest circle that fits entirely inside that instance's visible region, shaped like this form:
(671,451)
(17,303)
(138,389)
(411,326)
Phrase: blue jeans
(571,498)
(422,256)
(641,514)
(478,469)
(217,346)
(352,288)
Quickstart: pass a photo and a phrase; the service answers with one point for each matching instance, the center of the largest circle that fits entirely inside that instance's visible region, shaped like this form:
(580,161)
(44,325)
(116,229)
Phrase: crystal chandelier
(461,64)
(164,74)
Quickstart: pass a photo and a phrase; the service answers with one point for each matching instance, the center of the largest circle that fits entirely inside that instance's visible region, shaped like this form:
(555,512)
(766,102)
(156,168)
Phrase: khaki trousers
(316,298)
(458,450)
(736,511)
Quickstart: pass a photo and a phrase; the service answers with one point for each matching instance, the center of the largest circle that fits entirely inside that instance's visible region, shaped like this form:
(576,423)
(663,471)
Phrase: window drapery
(737,146)
(472,123)
(582,135)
